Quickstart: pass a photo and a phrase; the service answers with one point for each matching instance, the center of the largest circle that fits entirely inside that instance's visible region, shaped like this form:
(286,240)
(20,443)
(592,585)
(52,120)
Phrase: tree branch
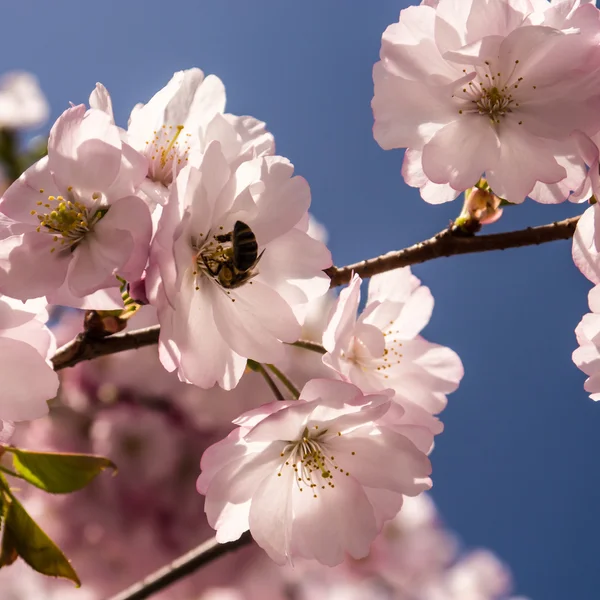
(85,348)
(450,243)
(181,567)
(446,243)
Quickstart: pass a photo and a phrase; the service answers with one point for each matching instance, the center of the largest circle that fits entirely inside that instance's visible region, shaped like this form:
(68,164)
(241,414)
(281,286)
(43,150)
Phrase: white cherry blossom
(27,378)
(76,222)
(22,102)
(383,348)
(177,124)
(214,316)
(587,356)
(506,82)
(298,473)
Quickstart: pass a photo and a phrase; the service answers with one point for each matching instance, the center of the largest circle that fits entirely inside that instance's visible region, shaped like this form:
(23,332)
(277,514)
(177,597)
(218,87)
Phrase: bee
(235,265)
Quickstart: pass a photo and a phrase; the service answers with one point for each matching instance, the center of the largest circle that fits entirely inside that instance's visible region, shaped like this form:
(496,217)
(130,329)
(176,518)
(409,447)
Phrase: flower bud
(481,207)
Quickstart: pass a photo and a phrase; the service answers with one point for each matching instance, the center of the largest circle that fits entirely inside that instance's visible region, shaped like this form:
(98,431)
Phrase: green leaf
(27,540)
(8,552)
(58,473)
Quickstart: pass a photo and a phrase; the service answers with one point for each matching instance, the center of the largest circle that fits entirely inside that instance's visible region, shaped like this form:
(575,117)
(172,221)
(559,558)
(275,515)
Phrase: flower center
(359,354)
(490,93)
(68,220)
(494,103)
(313,466)
(168,152)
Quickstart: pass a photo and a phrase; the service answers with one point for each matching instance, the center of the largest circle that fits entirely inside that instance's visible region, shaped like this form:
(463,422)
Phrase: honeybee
(234,266)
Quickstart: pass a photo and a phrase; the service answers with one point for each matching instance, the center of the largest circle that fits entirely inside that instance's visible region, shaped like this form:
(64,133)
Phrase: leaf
(8,552)
(58,473)
(27,539)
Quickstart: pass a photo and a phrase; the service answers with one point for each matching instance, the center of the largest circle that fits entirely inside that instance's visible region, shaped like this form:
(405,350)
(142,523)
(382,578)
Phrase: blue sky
(516,468)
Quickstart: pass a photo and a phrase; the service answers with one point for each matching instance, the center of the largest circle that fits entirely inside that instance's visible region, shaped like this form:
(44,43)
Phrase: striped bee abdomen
(245,248)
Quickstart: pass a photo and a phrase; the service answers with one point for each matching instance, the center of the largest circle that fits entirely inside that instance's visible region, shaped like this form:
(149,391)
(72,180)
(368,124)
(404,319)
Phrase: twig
(288,384)
(179,568)
(445,243)
(450,243)
(272,385)
(84,348)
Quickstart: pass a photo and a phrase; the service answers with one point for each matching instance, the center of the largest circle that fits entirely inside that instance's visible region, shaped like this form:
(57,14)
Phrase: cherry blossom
(296,473)
(382,347)
(586,244)
(478,576)
(587,356)
(214,316)
(175,127)
(507,82)
(412,171)
(76,220)
(27,378)
(7,428)
(22,102)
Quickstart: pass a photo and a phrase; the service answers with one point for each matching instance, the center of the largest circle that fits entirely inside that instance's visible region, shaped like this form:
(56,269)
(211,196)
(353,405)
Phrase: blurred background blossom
(515,468)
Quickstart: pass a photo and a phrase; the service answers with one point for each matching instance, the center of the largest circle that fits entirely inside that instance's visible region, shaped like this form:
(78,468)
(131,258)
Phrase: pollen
(67,219)
(312,465)
(167,151)
(492,93)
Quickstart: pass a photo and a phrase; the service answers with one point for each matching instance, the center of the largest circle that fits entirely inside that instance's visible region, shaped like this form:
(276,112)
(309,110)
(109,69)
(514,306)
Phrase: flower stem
(11,473)
(260,369)
(288,384)
(308,345)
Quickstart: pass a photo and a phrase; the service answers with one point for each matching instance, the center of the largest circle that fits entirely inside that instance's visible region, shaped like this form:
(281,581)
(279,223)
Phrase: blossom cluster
(513,84)
(211,231)
(208,231)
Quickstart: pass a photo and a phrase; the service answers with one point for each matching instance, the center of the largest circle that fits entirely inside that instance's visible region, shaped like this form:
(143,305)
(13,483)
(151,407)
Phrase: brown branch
(450,243)
(85,348)
(181,567)
(445,243)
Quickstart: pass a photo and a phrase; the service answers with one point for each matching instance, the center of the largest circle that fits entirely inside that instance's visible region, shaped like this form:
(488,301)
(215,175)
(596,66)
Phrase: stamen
(312,466)
(68,220)
(165,152)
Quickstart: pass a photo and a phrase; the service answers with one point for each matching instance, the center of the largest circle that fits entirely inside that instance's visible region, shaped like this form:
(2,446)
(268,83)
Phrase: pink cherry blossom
(7,428)
(586,244)
(478,576)
(505,82)
(587,356)
(383,348)
(211,323)
(77,222)
(175,127)
(296,473)
(27,378)
(22,102)
(412,171)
